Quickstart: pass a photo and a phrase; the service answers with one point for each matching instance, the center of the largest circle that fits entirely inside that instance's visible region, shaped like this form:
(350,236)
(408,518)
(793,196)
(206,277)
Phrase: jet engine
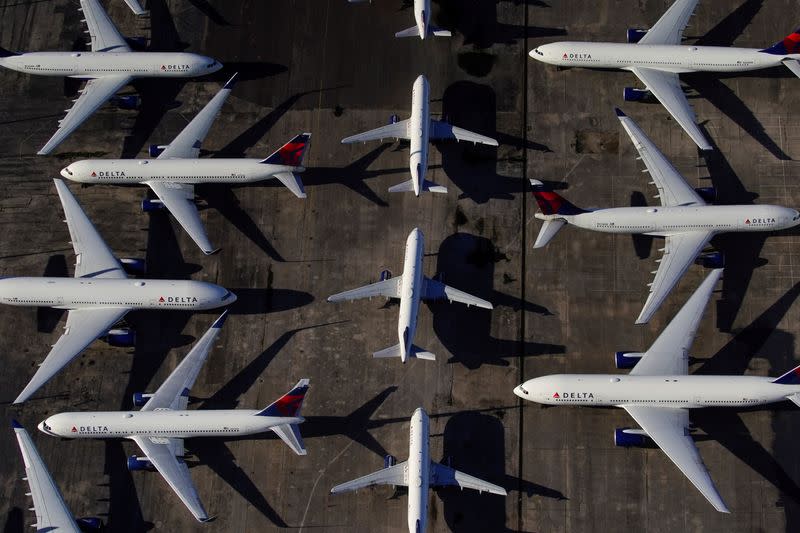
(627,437)
(133,265)
(130,101)
(140,398)
(708,194)
(627,359)
(635,35)
(137,43)
(156,149)
(631,94)
(121,337)
(389,461)
(89,523)
(150,206)
(386,274)
(711,260)
(140,463)
(394,119)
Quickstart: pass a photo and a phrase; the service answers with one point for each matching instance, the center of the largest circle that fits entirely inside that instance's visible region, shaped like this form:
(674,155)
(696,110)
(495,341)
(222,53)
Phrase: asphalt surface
(335,69)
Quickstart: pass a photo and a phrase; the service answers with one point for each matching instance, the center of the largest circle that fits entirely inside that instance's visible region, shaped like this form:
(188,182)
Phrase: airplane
(177,169)
(422,16)
(164,421)
(419,129)
(136,7)
(99,295)
(52,513)
(109,66)
(684,219)
(418,473)
(410,287)
(658,392)
(657,57)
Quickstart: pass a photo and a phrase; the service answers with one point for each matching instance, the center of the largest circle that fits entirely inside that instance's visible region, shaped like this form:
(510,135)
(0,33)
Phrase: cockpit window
(227,295)
(536,50)
(211,65)
(68,171)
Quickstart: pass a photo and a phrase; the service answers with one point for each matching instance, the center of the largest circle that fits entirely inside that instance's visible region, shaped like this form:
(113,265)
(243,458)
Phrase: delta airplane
(52,513)
(174,173)
(418,474)
(684,219)
(410,287)
(422,16)
(109,66)
(99,295)
(658,392)
(419,130)
(163,422)
(657,57)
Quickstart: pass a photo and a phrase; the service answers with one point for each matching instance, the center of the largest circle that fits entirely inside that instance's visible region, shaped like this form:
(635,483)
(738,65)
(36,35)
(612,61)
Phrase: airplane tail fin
(408,186)
(788,45)
(792,377)
(413,31)
(6,53)
(552,203)
(288,406)
(290,154)
(397,351)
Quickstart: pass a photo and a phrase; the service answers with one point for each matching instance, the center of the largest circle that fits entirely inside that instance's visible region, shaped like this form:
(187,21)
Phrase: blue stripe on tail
(792,377)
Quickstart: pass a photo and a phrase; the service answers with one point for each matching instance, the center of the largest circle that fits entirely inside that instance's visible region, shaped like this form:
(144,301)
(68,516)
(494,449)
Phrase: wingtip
(221,320)
(231,82)
(619,112)
(212,252)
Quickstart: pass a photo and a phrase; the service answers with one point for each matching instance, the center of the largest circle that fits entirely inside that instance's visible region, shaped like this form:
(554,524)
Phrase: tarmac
(335,69)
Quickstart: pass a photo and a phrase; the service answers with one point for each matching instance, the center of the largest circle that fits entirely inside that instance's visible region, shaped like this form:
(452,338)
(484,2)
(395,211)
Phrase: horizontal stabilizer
(433,187)
(413,31)
(394,475)
(292,182)
(290,434)
(397,351)
(793,65)
(439,32)
(794,398)
(406,186)
(548,231)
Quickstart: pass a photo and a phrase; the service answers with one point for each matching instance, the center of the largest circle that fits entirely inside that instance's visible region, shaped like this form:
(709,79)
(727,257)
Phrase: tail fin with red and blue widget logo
(789,45)
(291,154)
(288,406)
(552,203)
(792,377)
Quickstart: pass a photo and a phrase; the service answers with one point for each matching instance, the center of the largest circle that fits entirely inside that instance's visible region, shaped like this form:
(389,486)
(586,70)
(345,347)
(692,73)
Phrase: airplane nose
(65,172)
(522,392)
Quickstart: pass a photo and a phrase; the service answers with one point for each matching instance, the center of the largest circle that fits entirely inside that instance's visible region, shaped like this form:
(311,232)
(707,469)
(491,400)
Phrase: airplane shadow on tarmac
(467,262)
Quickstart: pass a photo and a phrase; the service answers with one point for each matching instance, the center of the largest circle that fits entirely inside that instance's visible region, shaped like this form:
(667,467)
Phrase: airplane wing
(187,144)
(680,251)
(669,430)
(82,328)
(52,513)
(136,7)
(93,95)
(394,475)
(389,288)
(669,354)
(669,28)
(160,452)
(174,392)
(105,36)
(436,290)
(672,187)
(441,475)
(666,86)
(93,258)
(443,130)
(398,130)
(178,198)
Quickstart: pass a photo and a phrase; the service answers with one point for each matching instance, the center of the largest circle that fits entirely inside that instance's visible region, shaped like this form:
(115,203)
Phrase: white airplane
(99,295)
(658,392)
(422,16)
(109,66)
(52,513)
(163,422)
(418,473)
(419,130)
(684,219)
(410,287)
(173,175)
(657,57)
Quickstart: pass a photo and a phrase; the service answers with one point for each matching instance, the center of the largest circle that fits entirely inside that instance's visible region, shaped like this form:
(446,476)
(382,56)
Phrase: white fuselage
(419,464)
(422,15)
(163,423)
(662,220)
(419,131)
(99,64)
(670,58)
(80,293)
(410,292)
(654,391)
(138,171)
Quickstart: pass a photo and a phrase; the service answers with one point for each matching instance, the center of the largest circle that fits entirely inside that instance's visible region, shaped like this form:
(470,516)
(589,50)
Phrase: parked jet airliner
(109,66)
(684,219)
(99,295)
(418,473)
(419,130)
(177,169)
(656,56)
(422,16)
(658,392)
(411,287)
(163,422)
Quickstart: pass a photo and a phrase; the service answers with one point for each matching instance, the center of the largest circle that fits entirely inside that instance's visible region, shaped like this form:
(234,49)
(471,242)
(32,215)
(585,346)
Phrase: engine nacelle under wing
(89,523)
(121,337)
(130,101)
(708,194)
(634,35)
(156,149)
(631,94)
(711,260)
(627,359)
(134,265)
(141,398)
(630,438)
(150,206)
(136,463)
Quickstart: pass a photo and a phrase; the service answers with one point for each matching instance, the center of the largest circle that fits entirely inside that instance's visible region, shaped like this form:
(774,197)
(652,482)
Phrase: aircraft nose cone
(66,173)
(522,392)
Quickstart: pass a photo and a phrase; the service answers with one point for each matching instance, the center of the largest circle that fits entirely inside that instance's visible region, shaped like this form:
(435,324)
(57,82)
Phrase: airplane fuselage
(654,391)
(419,132)
(422,16)
(79,293)
(137,171)
(163,423)
(410,292)
(661,220)
(671,58)
(419,464)
(100,64)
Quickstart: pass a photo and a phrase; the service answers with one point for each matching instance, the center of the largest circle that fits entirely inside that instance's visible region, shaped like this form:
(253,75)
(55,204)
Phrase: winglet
(218,323)
(619,112)
(15,424)
(231,82)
